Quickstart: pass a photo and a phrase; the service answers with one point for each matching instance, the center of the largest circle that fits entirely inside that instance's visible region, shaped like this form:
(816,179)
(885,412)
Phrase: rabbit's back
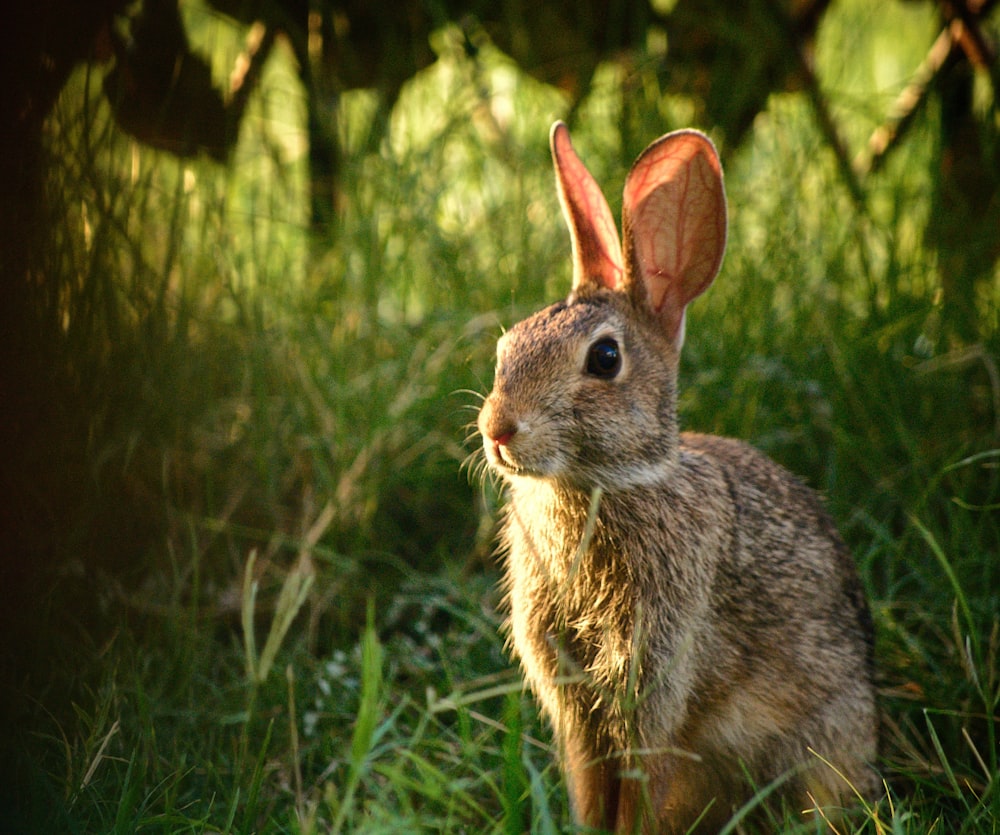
(792,639)
(787,570)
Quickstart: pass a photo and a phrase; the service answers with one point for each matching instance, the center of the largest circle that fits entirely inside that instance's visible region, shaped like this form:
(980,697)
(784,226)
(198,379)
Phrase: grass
(271,606)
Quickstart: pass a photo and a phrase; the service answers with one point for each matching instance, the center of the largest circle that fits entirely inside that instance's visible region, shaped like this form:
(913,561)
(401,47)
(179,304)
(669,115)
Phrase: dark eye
(604,359)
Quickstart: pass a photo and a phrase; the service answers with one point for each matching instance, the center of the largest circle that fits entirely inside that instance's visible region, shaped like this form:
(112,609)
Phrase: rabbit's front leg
(610,792)
(593,781)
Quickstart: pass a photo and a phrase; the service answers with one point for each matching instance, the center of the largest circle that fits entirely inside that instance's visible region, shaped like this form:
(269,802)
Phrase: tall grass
(274,607)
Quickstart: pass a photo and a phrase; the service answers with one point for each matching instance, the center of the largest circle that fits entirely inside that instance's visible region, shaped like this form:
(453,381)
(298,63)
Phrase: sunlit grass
(299,632)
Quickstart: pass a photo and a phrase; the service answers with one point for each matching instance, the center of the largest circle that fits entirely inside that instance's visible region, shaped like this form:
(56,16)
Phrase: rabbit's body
(683,608)
(685,641)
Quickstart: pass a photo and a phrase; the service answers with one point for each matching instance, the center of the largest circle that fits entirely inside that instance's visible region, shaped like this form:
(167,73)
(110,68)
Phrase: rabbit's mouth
(502,455)
(506,461)
(501,458)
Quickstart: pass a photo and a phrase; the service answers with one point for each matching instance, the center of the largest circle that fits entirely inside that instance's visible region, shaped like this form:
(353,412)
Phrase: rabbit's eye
(604,359)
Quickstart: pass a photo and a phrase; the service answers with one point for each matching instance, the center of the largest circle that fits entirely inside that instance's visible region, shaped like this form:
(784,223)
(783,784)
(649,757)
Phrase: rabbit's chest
(572,600)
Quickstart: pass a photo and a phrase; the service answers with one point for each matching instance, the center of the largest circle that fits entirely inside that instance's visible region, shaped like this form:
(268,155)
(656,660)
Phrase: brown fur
(706,624)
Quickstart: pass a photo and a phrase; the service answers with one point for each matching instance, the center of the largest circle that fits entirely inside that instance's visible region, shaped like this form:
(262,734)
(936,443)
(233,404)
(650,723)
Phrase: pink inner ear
(675,223)
(597,256)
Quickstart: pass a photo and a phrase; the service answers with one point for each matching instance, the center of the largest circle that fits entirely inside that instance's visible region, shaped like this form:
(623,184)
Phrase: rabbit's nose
(500,436)
(495,425)
(500,444)
(504,438)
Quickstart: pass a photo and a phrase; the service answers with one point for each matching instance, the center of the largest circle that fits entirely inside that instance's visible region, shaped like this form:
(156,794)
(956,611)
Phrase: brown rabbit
(684,610)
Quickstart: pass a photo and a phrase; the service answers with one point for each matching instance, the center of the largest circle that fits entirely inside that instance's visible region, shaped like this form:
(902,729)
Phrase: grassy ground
(271,605)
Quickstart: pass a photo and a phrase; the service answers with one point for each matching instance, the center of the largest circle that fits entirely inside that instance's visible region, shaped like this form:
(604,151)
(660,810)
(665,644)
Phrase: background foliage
(268,601)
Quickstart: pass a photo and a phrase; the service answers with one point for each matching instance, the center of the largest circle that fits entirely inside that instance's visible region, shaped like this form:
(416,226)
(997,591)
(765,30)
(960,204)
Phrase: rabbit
(684,610)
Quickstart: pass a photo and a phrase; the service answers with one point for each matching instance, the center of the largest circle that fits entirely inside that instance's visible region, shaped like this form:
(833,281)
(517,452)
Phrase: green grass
(275,442)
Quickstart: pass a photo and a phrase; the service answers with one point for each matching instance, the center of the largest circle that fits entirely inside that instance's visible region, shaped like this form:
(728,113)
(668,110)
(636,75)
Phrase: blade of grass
(366,723)
(248,603)
(514,783)
(543,817)
(956,586)
(256,782)
(293,594)
(942,756)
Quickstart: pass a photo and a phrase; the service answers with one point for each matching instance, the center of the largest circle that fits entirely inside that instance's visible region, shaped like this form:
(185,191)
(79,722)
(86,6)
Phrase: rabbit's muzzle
(498,430)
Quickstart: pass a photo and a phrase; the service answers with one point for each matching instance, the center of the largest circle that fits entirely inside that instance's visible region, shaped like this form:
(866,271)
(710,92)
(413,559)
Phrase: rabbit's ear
(597,253)
(674,224)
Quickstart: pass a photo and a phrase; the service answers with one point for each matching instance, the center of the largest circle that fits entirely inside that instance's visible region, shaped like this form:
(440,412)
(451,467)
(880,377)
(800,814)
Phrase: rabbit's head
(585,390)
